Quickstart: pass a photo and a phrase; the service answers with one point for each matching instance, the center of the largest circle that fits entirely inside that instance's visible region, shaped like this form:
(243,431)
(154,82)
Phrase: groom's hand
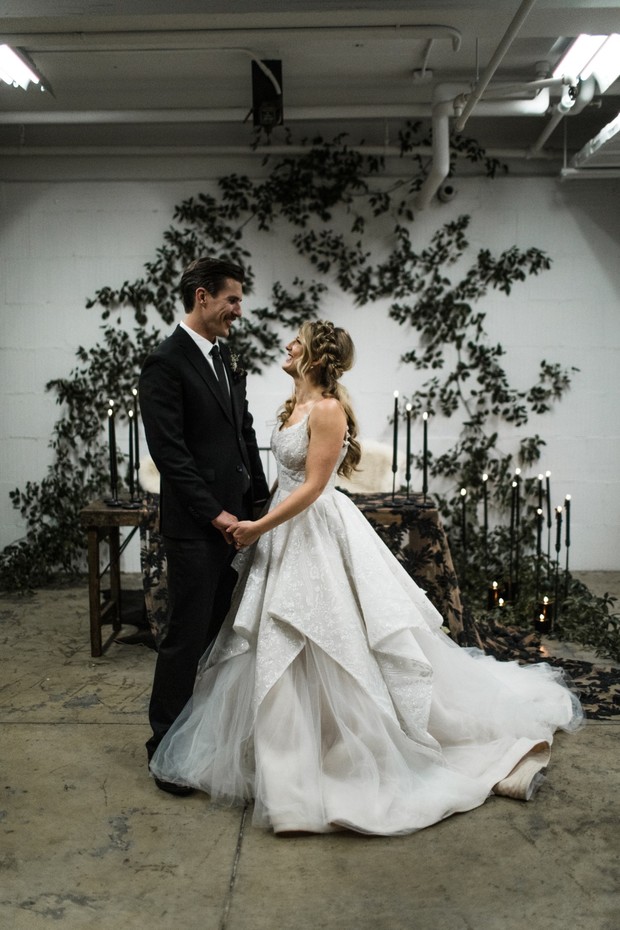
(222,522)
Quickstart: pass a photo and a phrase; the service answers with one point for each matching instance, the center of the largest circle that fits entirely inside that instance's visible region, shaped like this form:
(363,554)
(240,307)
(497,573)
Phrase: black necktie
(218,366)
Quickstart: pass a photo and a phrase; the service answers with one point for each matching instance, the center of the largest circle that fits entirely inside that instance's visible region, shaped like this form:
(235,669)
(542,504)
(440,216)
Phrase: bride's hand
(245,533)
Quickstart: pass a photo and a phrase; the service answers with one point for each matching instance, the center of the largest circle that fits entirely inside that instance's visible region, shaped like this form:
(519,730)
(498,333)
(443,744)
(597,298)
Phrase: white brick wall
(62,239)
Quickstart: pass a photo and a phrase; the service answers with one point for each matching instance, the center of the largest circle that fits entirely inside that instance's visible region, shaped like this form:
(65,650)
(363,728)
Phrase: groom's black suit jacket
(206,453)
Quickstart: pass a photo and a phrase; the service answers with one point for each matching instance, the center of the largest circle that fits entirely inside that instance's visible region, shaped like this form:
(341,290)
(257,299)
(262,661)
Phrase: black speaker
(266,101)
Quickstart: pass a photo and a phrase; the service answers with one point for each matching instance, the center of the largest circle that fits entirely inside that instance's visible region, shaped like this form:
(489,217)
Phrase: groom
(200,436)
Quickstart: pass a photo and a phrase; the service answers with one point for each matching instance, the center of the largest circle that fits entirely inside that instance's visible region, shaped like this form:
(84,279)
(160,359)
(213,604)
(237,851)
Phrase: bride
(331,696)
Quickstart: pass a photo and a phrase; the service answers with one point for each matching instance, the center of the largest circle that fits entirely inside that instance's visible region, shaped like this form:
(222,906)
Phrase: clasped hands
(236,532)
(242,533)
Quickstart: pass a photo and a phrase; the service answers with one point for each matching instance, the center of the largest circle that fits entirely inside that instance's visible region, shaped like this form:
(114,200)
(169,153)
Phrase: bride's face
(294,351)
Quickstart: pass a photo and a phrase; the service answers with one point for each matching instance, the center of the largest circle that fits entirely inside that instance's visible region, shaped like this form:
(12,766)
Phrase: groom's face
(213,316)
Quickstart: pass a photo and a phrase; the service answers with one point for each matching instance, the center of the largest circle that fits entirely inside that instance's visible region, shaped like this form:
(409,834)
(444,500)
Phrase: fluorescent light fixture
(15,70)
(597,56)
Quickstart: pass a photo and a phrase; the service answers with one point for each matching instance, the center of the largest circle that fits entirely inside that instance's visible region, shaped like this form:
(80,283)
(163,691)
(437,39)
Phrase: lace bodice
(290,448)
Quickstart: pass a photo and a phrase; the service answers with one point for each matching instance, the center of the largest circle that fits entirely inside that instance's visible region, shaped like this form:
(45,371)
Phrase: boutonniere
(237,370)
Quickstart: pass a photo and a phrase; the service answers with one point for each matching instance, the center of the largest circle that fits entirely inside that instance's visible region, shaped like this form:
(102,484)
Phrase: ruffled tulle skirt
(333,699)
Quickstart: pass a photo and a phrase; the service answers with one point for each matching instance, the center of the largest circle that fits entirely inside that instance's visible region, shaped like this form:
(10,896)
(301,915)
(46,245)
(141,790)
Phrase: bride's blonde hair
(327,352)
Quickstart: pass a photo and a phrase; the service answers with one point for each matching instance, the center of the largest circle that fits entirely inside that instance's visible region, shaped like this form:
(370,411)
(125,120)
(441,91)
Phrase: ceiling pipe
(222,151)
(214,115)
(570,104)
(534,99)
(440,165)
(500,91)
(152,40)
(495,61)
(443,92)
(202,150)
(443,109)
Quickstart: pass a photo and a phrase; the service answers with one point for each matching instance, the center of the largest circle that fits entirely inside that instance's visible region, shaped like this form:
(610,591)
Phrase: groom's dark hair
(210,273)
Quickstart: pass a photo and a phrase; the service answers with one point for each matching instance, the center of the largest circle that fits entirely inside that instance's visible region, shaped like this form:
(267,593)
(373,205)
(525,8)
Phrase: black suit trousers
(200,584)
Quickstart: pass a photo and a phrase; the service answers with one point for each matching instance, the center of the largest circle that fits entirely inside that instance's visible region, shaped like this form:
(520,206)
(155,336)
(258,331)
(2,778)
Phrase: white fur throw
(148,475)
(375,470)
(374,475)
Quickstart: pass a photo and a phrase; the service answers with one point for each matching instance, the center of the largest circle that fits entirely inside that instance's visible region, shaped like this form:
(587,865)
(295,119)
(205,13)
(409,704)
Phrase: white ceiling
(139,75)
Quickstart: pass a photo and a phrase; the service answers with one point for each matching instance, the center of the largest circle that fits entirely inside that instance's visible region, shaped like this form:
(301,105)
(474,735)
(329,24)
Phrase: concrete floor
(88,841)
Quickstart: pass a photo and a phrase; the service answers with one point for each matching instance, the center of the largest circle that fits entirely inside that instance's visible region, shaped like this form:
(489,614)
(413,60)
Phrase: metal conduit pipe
(440,165)
(567,106)
(495,61)
(215,115)
(444,109)
(502,91)
(222,151)
(225,39)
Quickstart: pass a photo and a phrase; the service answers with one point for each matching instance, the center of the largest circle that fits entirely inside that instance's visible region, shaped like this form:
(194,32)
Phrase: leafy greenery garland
(331,187)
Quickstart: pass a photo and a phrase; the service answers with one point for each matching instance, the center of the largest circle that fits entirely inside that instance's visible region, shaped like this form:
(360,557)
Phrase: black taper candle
(513,489)
(130,418)
(541,478)
(567,501)
(558,527)
(136,437)
(517,524)
(548,484)
(408,450)
(395,444)
(539,525)
(425,455)
(558,544)
(112,442)
(485,519)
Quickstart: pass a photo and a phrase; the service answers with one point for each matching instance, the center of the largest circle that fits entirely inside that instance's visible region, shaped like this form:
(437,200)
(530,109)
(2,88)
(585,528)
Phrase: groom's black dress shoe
(181,790)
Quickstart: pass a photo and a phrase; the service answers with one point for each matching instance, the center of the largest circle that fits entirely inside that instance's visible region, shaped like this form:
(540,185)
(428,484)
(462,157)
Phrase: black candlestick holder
(493,596)
(510,591)
(545,616)
(132,504)
(113,502)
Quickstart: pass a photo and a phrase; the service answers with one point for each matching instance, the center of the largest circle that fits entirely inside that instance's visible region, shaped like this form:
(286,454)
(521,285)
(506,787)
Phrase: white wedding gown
(334,700)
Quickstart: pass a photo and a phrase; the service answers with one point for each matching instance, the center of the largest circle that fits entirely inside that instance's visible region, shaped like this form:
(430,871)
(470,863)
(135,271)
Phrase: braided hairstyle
(327,352)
